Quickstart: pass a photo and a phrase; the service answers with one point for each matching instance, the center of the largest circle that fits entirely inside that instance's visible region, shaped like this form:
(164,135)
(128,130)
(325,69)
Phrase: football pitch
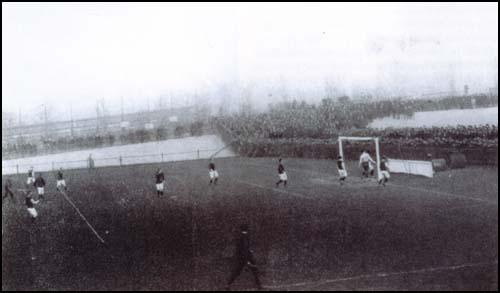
(414,234)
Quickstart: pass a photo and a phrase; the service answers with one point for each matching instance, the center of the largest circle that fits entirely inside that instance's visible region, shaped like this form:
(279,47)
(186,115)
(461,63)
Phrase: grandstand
(99,125)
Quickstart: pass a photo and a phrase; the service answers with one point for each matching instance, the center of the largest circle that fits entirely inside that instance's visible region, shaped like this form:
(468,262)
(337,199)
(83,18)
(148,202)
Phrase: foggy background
(151,56)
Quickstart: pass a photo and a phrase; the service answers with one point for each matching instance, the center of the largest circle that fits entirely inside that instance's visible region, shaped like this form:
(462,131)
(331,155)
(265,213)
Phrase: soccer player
(342,171)
(31,176)
(364,162)
(60,180)
(40,186)
(384,172)
(212,173)
(244,258)
(160,179)
(282,174)
(8,191)
(371,168)
(30,206)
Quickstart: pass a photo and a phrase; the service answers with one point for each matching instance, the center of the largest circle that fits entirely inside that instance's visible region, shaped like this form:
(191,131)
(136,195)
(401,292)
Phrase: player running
(384,172)
(8,190)
(29,201)
(160,182)
(212,173)
(40,186)
(364,162)
(342,171)
(31,176)
(282,174)
(244,258)
(60,180)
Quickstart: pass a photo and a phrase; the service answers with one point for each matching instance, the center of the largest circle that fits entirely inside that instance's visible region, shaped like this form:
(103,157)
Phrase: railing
(108,161)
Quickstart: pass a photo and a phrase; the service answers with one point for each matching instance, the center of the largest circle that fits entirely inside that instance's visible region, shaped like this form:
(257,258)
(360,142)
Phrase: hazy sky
(76,53)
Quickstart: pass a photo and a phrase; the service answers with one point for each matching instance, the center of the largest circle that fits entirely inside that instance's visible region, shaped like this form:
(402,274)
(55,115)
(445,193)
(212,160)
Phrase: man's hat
(244,227)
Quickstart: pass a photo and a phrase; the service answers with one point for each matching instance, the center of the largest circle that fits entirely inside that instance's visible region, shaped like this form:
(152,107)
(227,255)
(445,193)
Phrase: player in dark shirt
(244,257)
(342,171)
(29,201)
(384,172)
(60,180)
(282,174)
(31,176)
(160,179)
(8,191)
(40,186)
(212,172)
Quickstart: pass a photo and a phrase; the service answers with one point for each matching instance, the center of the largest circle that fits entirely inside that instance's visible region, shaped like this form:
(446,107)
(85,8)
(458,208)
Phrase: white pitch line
(383,275)
(274,189)
(82,216)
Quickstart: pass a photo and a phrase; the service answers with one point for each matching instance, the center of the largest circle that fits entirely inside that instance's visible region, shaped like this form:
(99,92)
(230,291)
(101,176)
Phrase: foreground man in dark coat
(244,258)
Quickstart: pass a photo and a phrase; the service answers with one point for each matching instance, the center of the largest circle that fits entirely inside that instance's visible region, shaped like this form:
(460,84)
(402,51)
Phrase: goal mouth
(362,139)
(410,167)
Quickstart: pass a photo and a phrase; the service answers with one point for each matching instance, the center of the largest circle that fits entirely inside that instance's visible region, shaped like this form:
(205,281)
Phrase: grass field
(416,233)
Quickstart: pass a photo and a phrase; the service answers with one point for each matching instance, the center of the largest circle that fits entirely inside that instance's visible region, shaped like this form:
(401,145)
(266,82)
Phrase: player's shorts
(342,173)
(213,174)
(385,174)
(40,190)
(32,212)
(30,180)
(61,183)
(160,186)
(366,166)
(283,176)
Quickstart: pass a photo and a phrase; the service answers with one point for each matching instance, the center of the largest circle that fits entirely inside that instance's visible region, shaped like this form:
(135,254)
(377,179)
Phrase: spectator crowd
(303,123)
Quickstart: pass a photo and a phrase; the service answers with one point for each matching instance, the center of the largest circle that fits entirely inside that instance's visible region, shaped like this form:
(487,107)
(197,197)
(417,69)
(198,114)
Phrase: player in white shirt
(364,162)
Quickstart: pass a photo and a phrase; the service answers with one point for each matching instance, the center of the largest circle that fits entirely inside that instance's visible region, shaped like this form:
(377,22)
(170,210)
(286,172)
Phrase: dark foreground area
(416,233)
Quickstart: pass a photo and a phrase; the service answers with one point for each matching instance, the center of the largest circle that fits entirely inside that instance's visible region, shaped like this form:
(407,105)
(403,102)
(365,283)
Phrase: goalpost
(357,138)
(411,167)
